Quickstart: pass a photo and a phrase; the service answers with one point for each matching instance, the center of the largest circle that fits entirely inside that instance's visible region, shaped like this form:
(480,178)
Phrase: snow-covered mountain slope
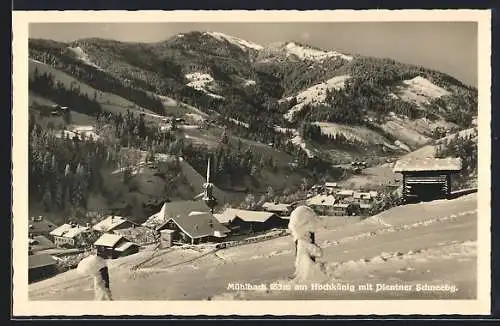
(315,94)
(358,133)
(82,56)
(242,44)
(202,82)
(310,54)
(420,90)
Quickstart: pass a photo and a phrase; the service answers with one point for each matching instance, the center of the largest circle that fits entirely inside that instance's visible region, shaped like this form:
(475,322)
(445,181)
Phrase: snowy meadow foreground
(418,251)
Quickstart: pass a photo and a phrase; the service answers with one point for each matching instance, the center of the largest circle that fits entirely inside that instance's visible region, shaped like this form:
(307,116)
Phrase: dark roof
(428,164)
(198,225)
(42,260)
(41,243)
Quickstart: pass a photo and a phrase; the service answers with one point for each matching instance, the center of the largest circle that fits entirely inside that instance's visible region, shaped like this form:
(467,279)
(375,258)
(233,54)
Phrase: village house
(41,266)
(361,197)
(322,204)
(340,209)
(427,178)
(194,228)
(344,194)
(317,189)
(112,223)
(71,235)
(278,209)
(41,226)
(176,208)
(330,187)
(114,245)
(246,221)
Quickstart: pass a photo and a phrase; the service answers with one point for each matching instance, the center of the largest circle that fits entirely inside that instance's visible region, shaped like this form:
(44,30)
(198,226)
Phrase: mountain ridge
(240,84)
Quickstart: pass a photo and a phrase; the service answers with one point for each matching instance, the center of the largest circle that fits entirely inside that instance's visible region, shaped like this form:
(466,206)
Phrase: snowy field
(427,244)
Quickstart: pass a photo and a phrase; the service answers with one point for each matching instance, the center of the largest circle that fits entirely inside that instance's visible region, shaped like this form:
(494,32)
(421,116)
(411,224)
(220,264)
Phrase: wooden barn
(41,266)
(114,246)
(244,221)
(427,178)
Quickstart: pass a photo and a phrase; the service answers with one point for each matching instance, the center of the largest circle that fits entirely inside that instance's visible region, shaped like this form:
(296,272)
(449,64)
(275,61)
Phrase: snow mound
(315,94)
(420,90)
(91,265)
(242,44)
(305,53)
(202,81)
(83,57)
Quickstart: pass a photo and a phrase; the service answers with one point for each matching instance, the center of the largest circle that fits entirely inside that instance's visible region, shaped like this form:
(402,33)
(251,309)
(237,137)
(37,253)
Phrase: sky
(449,47)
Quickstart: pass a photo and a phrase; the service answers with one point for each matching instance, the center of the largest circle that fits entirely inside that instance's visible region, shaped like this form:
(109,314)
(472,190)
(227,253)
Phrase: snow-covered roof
(345,192)
(198,225)
(330,184)
(270,206)
(428,164)
(124,246)
(108,240)
(321,200)
(75,231)
(175,208)
(361,195)
(69,231)
(109,223)
(246,215)
(60,230)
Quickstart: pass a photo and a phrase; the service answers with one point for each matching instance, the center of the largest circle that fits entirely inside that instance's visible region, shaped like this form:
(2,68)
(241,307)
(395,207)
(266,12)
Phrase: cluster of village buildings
(192,222)
(179,222)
